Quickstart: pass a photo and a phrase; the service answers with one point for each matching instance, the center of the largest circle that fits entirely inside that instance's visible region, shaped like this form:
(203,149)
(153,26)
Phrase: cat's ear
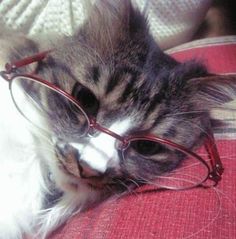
(115,20)
(214,90)
(14,46)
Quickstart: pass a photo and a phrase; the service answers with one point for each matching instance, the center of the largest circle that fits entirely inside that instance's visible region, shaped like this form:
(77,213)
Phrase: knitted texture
(171,21)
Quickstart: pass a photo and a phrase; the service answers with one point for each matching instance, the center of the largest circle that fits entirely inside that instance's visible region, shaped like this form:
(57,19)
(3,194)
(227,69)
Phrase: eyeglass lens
(47,108)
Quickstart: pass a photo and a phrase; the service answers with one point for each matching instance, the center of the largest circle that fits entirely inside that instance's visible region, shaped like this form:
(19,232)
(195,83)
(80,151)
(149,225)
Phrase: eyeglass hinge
(215,175)
(5,75)
(219,169)
(9,69)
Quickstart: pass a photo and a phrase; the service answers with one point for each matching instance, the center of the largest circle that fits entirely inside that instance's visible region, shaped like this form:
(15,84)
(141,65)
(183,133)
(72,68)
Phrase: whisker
(185,113)
(225,108)
(189,166)
(213,219)
(169,176)
(230,157)
(183,180)
(174,182)
(133,182)
(194,124)
(144,180)
(227,197)
(128,188)
(109,188)
(123,184)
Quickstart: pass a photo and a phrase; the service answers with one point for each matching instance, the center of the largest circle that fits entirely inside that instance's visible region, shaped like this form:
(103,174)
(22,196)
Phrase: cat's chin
(73,181)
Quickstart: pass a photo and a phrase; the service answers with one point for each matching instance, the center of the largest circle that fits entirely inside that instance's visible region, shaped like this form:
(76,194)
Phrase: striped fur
(137,89)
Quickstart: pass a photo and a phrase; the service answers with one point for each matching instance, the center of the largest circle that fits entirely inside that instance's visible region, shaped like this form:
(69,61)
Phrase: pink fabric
(145,214)
(218,58)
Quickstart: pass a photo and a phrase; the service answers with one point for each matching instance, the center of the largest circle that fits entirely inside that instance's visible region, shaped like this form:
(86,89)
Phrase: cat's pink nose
(71,158)
(86,171)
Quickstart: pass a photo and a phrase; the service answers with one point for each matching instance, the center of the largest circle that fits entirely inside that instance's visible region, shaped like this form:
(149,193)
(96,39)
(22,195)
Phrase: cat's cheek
(130,169)
(63,180)
(67,176)
(141,168)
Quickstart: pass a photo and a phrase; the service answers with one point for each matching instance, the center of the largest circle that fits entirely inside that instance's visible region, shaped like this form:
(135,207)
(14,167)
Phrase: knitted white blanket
(172,21)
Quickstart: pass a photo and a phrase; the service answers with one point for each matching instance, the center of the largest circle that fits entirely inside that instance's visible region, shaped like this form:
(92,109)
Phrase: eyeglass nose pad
(92,133)
(122,145)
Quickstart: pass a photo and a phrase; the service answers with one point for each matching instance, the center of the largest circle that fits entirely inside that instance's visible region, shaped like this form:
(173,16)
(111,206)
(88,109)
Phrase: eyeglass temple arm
(217,166)
(11,67)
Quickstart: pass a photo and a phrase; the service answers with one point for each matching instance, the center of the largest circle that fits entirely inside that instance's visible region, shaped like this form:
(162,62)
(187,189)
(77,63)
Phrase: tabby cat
(119,76)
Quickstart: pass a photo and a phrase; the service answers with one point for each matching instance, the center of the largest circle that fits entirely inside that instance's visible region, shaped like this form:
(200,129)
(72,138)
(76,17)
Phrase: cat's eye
(146,147)
(86,99)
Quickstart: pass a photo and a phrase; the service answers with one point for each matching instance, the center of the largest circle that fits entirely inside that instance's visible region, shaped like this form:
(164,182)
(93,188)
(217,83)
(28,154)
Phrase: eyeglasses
(37,100)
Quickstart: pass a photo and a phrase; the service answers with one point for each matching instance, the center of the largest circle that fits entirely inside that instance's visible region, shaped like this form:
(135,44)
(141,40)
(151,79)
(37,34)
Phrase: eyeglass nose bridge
(124,142)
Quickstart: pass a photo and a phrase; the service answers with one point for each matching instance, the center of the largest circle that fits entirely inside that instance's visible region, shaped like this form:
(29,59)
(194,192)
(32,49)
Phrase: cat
(118,74)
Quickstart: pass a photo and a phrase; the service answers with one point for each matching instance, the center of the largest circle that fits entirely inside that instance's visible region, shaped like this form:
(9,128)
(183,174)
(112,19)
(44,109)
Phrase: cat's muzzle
(70,158)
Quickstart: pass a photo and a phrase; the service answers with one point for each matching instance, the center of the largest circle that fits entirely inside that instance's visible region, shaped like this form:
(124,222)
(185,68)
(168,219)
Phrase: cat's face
(122,79)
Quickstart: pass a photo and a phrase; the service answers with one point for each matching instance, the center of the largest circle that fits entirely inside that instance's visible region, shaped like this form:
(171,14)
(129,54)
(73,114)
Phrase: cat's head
(116,71)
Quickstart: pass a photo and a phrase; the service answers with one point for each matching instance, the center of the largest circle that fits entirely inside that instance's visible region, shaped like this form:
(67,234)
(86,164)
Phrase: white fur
(22,177)
(100,153)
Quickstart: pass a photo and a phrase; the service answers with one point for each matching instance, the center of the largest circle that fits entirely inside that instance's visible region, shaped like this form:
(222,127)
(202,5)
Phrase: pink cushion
(196,213)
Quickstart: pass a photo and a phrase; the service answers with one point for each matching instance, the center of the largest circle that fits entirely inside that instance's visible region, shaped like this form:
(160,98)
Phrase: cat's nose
(86,171)
(72,159)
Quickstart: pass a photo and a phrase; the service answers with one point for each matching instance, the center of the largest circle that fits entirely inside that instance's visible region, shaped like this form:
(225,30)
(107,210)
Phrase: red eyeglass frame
(215,169)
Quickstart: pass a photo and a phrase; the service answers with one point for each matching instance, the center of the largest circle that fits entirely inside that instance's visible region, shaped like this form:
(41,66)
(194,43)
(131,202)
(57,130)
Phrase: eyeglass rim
(52,87)
(126,140)
(216,170)
(181,149)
